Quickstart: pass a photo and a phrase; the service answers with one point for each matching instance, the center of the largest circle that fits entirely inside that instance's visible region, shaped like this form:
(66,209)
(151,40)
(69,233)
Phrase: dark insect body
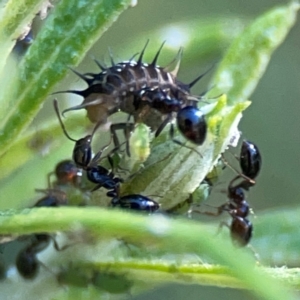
(82,152)
(237,206)
(151,94)
(82,155)
(250,164)
(113,283)
(103,178)
(27,262)
(250,159)
(53,198)
(135,202)
(23,44)
(66,172)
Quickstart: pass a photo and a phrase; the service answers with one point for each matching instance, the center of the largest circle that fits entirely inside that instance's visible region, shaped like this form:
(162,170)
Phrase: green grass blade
(68,33)
(249,55)
(276,236)
(13,18)
(172,236)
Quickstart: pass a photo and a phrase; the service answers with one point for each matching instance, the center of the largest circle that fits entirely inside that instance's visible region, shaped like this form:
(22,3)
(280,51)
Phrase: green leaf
(14,17)
(63,41)
(276,236)
(172,236)
(247,58)
(155,235)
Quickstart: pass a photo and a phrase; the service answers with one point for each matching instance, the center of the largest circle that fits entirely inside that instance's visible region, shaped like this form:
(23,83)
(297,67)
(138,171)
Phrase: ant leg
(48,179)
(245,184)
(220,210)
(236,171)
(127,128)
(98,155)
(97,187)
(221,225)
(115,164)
(58,248)
(163,125)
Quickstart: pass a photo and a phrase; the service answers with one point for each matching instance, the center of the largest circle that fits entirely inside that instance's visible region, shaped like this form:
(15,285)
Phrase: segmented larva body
(116,87)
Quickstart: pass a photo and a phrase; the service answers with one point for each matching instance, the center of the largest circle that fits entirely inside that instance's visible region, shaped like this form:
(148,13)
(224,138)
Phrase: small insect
(66,172)
(23,43)
(112,283)
(82,155)
(53,198)
(82,152)
(238,208)
(103,178)
(250,164)
(146,92)
(133,202)
(241,228)
(104,280)
(27,263)
(250,159)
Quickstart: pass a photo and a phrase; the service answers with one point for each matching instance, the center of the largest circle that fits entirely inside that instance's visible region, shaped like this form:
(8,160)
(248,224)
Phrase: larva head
(191,123)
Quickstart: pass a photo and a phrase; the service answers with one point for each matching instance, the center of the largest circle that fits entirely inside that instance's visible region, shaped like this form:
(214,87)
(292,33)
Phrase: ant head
(250,159)
(66,172)
(191,123)
(82,153)
(236,193)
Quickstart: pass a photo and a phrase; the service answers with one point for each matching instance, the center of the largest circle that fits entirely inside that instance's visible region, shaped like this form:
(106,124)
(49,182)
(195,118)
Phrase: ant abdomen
(27,264)
(241,231)
(136,202)
(250,159)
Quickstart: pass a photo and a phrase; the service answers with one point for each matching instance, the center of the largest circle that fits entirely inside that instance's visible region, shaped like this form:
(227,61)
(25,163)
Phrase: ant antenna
(55,104)
(226,163)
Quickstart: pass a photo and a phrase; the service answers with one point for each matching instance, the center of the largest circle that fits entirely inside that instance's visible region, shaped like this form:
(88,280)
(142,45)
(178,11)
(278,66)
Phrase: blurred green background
(271,122)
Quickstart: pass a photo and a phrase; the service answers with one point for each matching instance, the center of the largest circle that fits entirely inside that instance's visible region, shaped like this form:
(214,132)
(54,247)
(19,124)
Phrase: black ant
(27,263)
(250,164)
(82,152)
(53,198)
(107,179)
(237,206)
(103,178)
(133,202)
(66,172)
(82,155)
